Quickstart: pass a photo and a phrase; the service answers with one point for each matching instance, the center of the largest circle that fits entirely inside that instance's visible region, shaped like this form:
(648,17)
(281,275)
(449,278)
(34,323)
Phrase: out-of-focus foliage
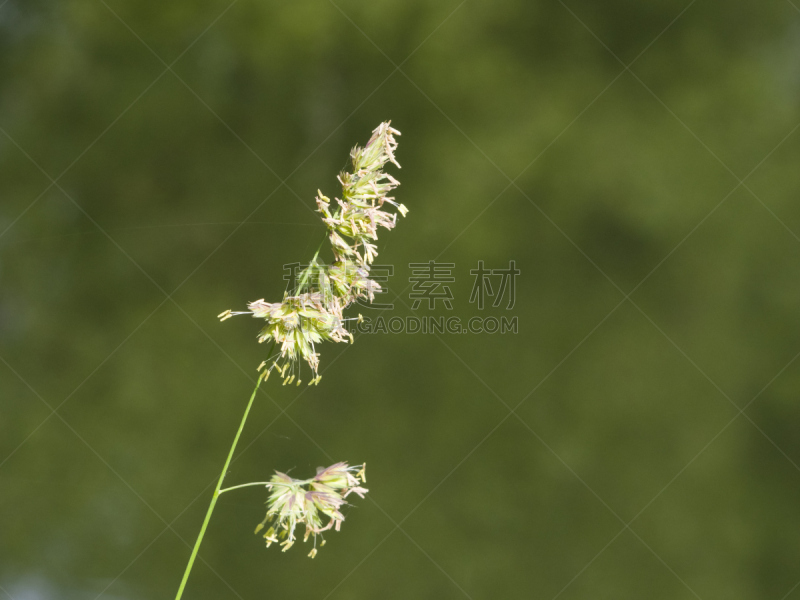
(188,140)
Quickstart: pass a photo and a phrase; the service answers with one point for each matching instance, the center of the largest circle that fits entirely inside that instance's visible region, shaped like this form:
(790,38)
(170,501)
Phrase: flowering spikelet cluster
(313,311)
(308,502)
(353,225)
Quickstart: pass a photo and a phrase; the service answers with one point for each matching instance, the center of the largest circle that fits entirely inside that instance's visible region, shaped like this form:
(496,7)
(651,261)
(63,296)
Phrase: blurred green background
(637,438)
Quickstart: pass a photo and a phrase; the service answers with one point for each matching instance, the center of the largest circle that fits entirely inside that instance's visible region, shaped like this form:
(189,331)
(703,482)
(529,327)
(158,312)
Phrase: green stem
(266,483)
(216,494)
(236,487)
(307,270)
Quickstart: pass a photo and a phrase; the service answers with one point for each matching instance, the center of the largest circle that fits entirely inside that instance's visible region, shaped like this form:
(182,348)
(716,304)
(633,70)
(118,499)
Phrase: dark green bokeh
(524,138)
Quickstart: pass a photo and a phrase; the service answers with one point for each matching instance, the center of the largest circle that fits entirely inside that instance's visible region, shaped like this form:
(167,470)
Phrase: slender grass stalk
(216,494)
(313,263)
(236,487)
(312,314)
